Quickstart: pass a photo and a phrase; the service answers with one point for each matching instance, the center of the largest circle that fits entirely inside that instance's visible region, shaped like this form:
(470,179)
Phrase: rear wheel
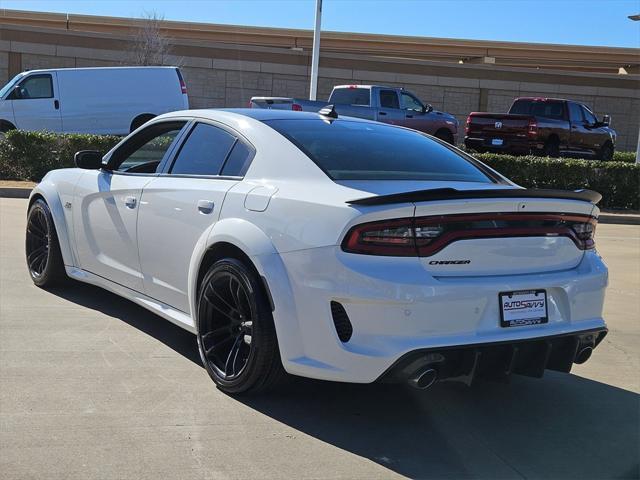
(236,335)
(606,152)
(445,135)
(42,248)
(552,147)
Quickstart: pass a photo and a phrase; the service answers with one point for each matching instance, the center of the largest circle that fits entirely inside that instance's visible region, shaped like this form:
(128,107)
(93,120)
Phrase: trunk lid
(479,229)
(503,236)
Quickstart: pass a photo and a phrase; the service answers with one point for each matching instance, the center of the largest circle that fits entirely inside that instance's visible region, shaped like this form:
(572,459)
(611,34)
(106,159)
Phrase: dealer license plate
(527,307)
(497,142)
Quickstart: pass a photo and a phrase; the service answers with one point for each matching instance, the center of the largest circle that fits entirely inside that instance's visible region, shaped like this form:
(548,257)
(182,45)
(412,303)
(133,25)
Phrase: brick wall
(227,82)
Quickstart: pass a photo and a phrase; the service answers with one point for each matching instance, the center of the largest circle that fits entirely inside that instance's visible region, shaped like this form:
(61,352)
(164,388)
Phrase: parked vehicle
(395,106)
(549,126)
(90,100)
(338,249)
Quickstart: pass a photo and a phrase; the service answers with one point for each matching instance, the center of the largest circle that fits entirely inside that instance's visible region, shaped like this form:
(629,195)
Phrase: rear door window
(351,96)
(238,160)
(204,151)
(350,150)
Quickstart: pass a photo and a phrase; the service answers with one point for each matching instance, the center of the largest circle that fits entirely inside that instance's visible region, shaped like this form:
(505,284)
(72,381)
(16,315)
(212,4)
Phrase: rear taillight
(183,86)
(425,236)
(467,125)
(532,131)
(585,233)
(296,107)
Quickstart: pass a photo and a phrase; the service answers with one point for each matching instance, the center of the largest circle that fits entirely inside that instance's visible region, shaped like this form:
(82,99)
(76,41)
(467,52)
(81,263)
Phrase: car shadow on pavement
(95,298)
(562,426)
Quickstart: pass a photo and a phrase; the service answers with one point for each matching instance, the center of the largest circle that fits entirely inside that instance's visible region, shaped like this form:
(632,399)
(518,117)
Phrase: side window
(35,86)
(409,102)
(143,152)
(575,113)
(204,151)
(239,160)
(389,99)
(589,116)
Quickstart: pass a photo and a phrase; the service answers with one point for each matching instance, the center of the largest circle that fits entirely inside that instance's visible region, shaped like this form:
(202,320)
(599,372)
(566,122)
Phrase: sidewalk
(19,189)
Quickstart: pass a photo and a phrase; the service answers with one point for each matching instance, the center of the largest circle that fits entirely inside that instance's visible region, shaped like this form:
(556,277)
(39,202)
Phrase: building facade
(224,66)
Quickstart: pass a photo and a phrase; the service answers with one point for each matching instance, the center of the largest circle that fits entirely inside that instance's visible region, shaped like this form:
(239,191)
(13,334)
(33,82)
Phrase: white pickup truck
(392,105)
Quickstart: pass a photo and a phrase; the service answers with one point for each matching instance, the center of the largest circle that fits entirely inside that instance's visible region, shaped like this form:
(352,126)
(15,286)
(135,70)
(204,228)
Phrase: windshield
(10,85)
(350,150)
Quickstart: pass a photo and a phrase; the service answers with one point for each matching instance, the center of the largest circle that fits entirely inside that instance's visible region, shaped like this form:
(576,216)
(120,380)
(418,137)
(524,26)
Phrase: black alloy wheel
(236,335)
(42,249)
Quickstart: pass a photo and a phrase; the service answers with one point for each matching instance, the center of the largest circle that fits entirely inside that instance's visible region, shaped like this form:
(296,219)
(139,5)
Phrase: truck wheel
(444,135)
(552,148)
(606,152)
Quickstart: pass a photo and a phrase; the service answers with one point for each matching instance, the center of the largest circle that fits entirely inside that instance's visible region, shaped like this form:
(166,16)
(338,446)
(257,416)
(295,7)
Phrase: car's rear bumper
(497,360)
(395,307)
(510,144)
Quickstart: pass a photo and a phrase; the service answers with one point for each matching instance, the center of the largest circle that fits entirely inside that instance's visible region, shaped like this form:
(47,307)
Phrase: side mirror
(606,120)
(427,108)
(88,159)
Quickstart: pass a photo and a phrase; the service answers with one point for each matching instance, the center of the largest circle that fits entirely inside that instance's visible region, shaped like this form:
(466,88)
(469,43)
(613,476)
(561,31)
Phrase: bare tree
(150,45)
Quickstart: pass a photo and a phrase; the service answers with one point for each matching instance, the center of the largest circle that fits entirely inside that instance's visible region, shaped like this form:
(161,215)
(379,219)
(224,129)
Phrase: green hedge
(618,182)
(30,155)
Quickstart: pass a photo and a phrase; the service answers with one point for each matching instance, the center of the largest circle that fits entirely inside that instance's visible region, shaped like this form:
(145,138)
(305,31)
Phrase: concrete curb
(612,218)
(15,192)
(619,218)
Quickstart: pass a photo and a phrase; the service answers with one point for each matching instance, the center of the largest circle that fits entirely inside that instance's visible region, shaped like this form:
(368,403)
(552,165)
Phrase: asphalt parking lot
(93,386)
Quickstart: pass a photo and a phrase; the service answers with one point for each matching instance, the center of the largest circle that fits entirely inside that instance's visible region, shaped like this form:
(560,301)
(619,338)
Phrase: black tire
(606,152)
(444,135)
(232,306)
(42,248)
(552,148)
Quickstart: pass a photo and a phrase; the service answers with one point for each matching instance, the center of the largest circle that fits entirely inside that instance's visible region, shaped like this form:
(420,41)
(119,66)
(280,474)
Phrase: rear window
(351,96)
(348,150)
(538,108)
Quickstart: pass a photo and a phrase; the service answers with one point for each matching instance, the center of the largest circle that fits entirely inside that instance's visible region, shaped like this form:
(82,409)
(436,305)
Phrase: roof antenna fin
(329,111)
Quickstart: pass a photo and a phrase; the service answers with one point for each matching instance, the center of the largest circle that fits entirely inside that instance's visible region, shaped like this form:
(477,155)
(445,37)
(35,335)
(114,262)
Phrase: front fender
(57,190)
(258,247)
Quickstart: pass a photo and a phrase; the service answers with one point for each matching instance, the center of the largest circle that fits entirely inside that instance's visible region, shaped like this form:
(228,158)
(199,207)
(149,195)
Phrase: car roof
(260,114)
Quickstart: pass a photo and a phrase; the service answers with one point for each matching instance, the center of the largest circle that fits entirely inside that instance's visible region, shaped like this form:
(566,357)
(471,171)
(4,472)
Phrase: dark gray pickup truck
(392,105)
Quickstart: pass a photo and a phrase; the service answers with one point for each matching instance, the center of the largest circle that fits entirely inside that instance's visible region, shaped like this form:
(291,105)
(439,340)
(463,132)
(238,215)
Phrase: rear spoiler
(453,194)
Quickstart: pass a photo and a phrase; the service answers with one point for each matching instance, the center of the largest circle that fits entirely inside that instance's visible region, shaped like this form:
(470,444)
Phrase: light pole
(635,18)
(313,89)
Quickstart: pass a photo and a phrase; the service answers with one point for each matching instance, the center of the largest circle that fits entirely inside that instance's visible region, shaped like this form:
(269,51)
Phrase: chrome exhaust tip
(583,355)
(424,378)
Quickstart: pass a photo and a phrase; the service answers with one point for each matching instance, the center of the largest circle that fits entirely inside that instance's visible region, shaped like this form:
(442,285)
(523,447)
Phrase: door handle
(382,113)
(205,206)
(409,116)
(56,104)
(130,202)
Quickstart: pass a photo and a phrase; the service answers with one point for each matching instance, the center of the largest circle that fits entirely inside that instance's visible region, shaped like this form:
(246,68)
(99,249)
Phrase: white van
(90,100)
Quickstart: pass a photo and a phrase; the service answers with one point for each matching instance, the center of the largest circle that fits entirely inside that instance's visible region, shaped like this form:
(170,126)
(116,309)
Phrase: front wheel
(42,248)
(606,152)
(236,335)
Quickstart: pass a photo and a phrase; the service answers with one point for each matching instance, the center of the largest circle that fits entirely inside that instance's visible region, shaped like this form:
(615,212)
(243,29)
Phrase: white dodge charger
(332,248)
